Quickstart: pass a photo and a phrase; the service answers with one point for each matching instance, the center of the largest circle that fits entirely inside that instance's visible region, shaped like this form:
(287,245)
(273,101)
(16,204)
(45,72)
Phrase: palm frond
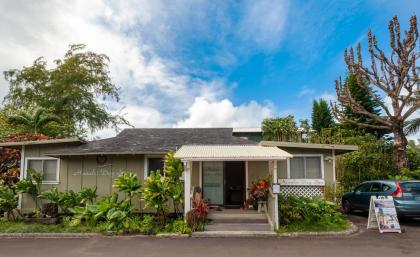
(411,127)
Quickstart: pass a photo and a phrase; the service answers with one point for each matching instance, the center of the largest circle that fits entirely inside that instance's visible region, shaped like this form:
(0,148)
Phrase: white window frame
(44,182)
(321,156)
(146,162)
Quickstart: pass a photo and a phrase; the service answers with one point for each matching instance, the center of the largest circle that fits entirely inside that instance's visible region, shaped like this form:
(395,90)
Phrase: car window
(411,187)
(376,187)
(385,187)
(363,188)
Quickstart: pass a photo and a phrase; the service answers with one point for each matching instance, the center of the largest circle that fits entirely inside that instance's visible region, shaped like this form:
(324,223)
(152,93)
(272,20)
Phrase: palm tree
(33,121)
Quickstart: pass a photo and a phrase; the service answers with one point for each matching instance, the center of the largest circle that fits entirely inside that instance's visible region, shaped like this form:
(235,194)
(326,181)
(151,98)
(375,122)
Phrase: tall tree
(396,79)
(279,129)
(35,121)
(71,90)
(321,115)
(361,96)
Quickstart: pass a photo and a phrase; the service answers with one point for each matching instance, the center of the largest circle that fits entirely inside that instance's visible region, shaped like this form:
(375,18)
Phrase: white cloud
(306,91)
(156,91)
(263,22)
(222,113)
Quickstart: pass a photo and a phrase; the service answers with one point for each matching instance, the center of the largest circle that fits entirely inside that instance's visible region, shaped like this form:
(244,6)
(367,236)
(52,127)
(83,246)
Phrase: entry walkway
(237,222)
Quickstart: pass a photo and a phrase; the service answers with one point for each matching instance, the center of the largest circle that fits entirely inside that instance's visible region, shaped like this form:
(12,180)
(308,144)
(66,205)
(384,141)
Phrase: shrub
(128,183)
(88,195)
(147,225)
(68,199)
(178,226)
(156,194)
(8,202)
(296,209)
(31,185)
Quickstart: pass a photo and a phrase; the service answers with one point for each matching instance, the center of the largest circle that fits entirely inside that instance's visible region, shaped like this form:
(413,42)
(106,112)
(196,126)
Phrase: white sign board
(301,182)
(276,188)
(382,214)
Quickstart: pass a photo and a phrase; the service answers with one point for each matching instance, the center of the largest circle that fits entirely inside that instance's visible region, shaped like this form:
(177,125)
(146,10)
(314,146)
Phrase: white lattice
(307,191)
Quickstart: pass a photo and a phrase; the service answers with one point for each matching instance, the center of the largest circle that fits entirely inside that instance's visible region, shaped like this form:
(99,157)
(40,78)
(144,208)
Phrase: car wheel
(347,207)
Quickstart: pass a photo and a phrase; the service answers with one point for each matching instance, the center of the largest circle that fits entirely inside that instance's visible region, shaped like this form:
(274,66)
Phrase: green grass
(315,227)
(20,227)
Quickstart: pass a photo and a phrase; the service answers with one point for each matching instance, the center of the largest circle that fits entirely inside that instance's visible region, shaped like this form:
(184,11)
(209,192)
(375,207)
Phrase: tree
(321,115)
(396,79)
(361,96)
(35,121)
(71,90)
(279,129)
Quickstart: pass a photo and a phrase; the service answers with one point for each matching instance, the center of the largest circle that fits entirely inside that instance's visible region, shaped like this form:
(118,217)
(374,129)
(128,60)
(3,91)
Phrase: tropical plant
(35,121)
(70,90)
(279,129)
(128,183)
(173,172)
(321,115)
(298,209)
(31,185)
(8,202)
(68,199)
(52,195)
(391,78)
(148,225)
(178,226)
(88,195)
(155,193)
(197,217)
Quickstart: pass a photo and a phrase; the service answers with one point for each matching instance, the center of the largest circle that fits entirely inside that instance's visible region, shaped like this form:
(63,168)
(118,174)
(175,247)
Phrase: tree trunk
(400,145)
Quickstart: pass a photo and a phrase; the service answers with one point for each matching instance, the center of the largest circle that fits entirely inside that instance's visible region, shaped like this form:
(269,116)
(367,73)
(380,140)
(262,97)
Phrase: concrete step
(238,227)
(252,234)
(245,217)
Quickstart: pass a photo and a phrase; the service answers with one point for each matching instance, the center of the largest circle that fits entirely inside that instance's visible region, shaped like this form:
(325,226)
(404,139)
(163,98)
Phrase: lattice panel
(307,191)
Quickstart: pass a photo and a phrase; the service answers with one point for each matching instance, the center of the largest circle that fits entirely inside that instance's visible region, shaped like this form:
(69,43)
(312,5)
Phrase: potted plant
(259,192)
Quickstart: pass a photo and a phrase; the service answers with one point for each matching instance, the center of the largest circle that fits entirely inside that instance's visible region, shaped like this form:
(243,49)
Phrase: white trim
(307,155)
(200,176)
(187,187)
(235,159)
(22,171)
(246,180)
(276,201)
(57,181)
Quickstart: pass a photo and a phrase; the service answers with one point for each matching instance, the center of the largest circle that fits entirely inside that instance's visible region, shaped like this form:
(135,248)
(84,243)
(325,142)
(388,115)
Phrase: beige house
(223,162)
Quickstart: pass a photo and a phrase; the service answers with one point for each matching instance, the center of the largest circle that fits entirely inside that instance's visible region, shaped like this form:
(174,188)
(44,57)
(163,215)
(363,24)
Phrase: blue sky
(202,63)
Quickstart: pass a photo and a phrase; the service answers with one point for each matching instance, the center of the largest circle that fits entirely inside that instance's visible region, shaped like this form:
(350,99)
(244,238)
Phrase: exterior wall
(257,170)
(77,172)
(195,175)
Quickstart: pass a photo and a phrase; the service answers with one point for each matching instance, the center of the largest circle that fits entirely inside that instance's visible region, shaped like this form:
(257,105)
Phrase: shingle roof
(156,140)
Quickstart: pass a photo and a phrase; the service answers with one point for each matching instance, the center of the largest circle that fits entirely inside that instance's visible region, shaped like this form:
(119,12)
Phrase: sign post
(382,214)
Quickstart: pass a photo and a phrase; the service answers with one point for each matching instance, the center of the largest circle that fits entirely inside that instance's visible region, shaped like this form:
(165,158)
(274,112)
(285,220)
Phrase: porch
(225,172)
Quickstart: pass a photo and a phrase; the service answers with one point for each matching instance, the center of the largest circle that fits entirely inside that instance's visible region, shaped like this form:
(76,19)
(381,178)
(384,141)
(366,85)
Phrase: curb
(350,231)
(209,234)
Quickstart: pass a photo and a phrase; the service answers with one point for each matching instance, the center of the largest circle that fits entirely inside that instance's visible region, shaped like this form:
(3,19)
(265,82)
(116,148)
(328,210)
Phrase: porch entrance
(223,183)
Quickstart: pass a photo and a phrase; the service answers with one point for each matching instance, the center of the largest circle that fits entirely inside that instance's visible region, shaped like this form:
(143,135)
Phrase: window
(306,167)
(48,167)
(376,187)
(154,164)
(363,188)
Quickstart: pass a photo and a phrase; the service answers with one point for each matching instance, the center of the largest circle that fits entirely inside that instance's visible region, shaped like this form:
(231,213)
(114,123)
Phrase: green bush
(178,226)
(148,225)
(8,201)
(311,214)
(88,195)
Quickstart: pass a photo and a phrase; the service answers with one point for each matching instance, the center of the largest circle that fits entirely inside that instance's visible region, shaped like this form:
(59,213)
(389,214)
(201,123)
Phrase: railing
(271,211)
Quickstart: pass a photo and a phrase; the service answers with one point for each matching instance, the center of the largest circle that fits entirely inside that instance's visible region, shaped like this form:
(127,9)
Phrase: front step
(238,227)
(237,217)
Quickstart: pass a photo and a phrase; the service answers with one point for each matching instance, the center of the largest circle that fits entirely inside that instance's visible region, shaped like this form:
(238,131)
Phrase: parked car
(406,195)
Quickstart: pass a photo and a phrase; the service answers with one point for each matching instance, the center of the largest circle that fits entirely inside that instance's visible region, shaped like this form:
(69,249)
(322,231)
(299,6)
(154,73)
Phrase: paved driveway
(367,243)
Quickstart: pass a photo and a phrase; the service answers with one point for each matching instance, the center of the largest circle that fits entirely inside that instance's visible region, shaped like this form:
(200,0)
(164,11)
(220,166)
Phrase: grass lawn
(20,227)
(314,227)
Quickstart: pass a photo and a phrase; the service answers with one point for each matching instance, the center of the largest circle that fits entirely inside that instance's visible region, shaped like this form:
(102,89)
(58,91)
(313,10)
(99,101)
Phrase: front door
(213,182)
(234,183)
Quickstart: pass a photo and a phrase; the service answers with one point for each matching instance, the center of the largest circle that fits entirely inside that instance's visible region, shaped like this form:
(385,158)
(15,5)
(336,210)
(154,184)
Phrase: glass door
(213,182)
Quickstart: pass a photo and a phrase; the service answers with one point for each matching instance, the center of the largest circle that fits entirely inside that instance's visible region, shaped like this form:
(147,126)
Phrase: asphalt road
(366,243)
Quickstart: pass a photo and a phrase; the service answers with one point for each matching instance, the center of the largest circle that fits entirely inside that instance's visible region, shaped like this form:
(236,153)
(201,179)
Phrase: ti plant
(69,199)
(155,193)
(128,183)
(88,195)
(31,185)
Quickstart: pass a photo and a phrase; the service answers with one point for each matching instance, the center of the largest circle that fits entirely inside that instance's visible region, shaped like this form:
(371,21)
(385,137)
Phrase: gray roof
(155,140)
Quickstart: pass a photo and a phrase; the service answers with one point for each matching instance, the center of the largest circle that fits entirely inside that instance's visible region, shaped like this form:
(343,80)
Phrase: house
(222,161)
